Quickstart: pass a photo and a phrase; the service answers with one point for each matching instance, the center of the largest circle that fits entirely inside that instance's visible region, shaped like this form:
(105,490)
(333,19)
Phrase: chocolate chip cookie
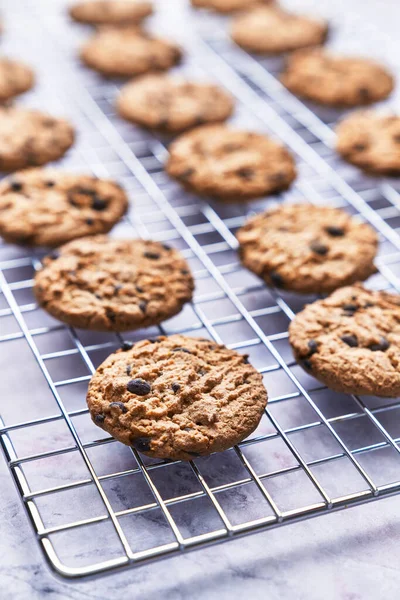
(171,104)
(113,285)
(31,138)
(371,141)
(177,397)
(43,207)
(271,30)
(127,52)
(110,12)
(351,341)
(339,81)
(15,79)
(307,248)
(230,164)
(228,6)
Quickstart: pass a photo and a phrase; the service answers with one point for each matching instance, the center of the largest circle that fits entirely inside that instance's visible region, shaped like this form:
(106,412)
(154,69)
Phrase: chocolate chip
(185,174)
(335,231)
(313,347)
(166,247)
(127,346)
(382,346)
(138,387)
(154,340)
(184,272)
(151,255)
(128,369)
(99,418)
(54,254)
(175,387)
(307,364)
(359,147)
(350,340)
(50,183)
(188,429)
(276,279)
(245,173)
(99,203)
(139,289)
(142,444)
(143,306)
(364,94)
(119,405)
(16,186)
(351,308)
(89,221)
(246,359)
(319,248)
(117,288)
(110,314)
(277,177)
(181,350)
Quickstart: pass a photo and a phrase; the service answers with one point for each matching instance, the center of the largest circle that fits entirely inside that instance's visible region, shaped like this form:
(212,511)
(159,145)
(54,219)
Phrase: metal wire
(285,471)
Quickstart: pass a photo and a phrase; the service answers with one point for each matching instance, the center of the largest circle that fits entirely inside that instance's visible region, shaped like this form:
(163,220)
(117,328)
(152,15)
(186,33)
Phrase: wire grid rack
(96,505)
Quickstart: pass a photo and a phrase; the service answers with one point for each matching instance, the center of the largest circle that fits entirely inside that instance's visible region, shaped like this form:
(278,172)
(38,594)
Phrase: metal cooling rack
(96,505)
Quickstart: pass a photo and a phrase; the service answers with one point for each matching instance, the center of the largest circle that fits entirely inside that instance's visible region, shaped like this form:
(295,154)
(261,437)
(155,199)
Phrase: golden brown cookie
(307,248)
(173,104)
(177,397)
(340,81)
(228,6)
(15,78)
(30,138)
(230,164)
(113,285)
(271,30)
(126,52)
(45,207)
(371,141)
(110,12)
(351,341)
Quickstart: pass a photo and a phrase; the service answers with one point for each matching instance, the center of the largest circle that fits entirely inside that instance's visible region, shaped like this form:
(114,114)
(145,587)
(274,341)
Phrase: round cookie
(110,12)
(171,104)
(177,397)
(270,29)
(371,141)
(44,207)
(15,78)
(31,138)
(230,164)
(307,248)
(351,341)
(334,80)
(127,52)
(228,6)
(113,285)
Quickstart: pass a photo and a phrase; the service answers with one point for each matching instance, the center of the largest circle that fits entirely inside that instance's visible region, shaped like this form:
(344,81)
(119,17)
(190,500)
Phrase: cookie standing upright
(46,207)
(308,249)
(178,397)
(350,341)
(31,138)
(230,164)
(371,141)
(15,79)
(104,284)
(173,104)
(110,12)
(128,51)
(334,80)
(228,6)
(271,30)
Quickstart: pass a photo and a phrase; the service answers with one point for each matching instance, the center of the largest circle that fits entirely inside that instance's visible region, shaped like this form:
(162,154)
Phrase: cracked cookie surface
(350,341)
(177,397)
(47,207)
(15,78)
(173,104)
(307,248)
(230,164)
(126,52)
(104,284)
(340,81)
(271,30)
(371,141)
(31,138)
(110,12)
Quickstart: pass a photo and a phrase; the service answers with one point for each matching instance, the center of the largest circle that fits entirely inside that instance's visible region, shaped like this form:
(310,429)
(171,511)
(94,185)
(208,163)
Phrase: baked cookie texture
(128,51)
(177,397)
(271,30)
(15,78)
(371,141)
(172,104)
(230,164)
(325,78)
(350,341)
(31,138)
(307,248)
(228,6)
(110,12)
(47,207)
(104,284)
